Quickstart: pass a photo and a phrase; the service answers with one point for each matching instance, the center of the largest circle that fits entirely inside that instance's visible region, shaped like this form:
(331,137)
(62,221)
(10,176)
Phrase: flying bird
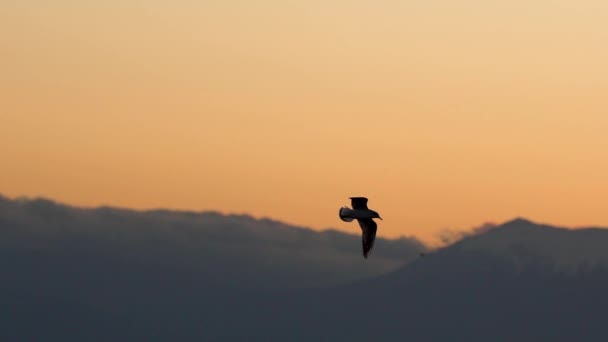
(365,217)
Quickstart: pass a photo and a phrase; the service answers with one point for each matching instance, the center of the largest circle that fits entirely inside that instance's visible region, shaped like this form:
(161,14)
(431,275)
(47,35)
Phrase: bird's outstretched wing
(368,228)
(346,214)
(359,202)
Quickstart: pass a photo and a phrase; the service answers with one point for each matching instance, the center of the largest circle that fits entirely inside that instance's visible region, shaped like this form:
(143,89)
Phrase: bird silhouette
(364,217)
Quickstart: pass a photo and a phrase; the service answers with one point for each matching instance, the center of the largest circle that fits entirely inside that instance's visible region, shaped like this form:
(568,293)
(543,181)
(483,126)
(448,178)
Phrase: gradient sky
(446,114)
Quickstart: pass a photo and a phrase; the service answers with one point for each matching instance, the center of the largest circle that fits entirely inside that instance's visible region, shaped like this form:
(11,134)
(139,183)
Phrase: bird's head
(376,215)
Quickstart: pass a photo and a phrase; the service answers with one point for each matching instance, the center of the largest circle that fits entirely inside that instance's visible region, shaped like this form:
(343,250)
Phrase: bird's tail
(346,214)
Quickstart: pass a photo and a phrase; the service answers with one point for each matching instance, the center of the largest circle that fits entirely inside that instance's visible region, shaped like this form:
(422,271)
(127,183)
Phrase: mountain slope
(506,284)
(232,250)
(114,274)
(519,281)
(518,240)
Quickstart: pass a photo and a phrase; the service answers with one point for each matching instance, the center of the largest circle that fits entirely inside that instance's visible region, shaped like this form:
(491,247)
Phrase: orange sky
(446,114)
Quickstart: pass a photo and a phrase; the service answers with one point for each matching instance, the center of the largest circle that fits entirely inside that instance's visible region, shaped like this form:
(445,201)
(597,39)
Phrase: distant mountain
(522,241)
(233,249)
(104,274)
(68,269)
(520,281)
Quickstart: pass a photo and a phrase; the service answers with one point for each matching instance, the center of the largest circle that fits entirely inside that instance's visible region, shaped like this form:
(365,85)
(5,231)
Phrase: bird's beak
(380,217)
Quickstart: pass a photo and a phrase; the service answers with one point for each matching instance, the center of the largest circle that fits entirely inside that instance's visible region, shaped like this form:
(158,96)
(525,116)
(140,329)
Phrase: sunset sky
(446,114)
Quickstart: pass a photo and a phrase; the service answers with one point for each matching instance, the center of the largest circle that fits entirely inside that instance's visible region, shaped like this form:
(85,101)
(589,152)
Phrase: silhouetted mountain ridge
(235,249)
(501,285)
(106,274)
(521,241)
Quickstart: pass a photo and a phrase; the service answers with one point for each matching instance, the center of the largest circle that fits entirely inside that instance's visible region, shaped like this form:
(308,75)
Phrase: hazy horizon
(443,238)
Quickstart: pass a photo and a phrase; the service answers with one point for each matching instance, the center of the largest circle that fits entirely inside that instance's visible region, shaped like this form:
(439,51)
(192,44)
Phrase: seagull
(365,217)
